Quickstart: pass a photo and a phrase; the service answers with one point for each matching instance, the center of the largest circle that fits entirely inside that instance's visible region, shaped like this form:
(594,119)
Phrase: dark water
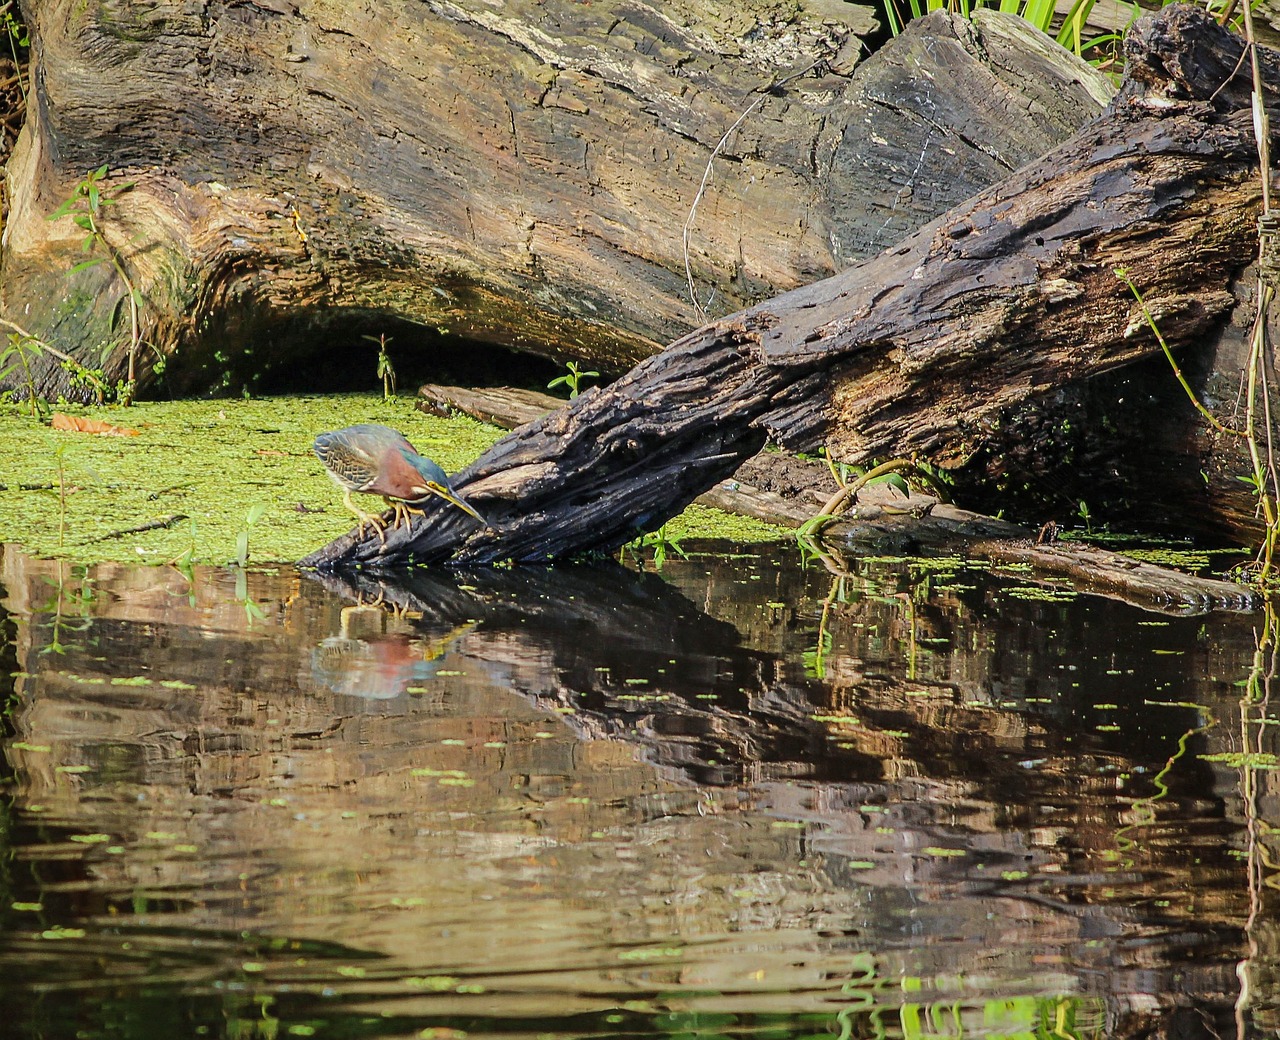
(741,798)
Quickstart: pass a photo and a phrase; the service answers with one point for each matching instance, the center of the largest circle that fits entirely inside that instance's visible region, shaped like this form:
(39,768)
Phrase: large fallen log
(885,520)
(923,349)
(558,177)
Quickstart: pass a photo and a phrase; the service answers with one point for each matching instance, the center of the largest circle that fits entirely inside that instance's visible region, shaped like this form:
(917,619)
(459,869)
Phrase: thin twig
(706,176)
(15,327)
(1123,274)
(152,525)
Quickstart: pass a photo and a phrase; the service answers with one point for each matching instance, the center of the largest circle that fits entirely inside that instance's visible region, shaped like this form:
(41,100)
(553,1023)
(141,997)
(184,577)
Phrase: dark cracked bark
(922,349)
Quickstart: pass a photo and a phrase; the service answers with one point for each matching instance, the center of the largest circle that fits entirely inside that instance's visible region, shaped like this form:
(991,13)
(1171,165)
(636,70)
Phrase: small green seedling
(385,372)
(242,539)
(572,379)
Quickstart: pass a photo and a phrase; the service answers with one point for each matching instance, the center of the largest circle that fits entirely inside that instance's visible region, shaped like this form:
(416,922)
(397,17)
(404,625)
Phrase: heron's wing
(346,459)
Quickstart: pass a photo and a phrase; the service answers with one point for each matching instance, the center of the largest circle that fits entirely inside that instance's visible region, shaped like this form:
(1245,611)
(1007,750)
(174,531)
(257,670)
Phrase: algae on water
(213,462)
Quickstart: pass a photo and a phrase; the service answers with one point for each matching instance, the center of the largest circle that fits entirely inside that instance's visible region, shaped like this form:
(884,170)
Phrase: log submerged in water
(925,348)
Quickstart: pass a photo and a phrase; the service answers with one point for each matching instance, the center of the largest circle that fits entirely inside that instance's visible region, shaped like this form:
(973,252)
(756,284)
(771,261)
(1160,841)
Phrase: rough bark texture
(925,348)
(886,521)
(521,173)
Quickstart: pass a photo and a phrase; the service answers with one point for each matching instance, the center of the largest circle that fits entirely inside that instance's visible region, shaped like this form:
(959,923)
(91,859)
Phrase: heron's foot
(376,522)
(403,512)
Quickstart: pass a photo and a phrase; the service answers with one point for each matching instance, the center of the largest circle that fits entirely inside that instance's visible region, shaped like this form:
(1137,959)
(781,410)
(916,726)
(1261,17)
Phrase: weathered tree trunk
(925,348)
(522,173)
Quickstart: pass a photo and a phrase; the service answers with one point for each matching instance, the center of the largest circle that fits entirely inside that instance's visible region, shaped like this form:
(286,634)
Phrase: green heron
(378,460)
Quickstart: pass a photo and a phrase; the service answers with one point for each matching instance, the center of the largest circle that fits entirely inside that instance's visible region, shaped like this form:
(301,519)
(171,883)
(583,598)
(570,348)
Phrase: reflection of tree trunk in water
(926,348)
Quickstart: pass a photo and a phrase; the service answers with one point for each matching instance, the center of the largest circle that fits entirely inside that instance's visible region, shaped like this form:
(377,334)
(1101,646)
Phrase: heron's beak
(432,488)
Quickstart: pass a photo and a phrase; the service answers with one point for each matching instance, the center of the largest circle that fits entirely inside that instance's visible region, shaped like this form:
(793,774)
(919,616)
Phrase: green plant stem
(835,473)
(135,334)
(28,378)
(1265,502)
(1123,274)
(1263,477)
(841,499)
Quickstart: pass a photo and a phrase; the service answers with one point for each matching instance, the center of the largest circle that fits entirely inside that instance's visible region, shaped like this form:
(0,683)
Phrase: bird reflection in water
(368,661)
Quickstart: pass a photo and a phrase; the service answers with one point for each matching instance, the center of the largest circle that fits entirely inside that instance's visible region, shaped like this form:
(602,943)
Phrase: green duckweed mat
(187,486)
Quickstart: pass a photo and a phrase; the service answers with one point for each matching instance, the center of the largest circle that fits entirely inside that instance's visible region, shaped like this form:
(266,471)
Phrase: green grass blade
(1072,32)
(1039,13)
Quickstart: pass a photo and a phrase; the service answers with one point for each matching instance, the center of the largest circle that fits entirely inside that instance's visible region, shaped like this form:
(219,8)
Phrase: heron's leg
(376,522)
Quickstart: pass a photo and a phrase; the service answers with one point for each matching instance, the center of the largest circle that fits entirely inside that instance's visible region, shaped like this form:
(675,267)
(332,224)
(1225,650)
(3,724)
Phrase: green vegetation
(184,489)
(184,486)
(572,379)
(1040,13)
(86,207)
(896,472)
(1102,49)
(19,43)
(385,370)
(1264,474)
(19,351)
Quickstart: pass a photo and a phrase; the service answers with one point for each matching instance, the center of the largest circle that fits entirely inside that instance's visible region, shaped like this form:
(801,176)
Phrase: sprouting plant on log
(86,207)
(894,473)
(385,371)
(572,379)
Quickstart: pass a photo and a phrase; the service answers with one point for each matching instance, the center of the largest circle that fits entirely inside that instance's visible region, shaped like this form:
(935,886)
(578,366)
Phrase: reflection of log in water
(840,791)
(633,656)
(628,655)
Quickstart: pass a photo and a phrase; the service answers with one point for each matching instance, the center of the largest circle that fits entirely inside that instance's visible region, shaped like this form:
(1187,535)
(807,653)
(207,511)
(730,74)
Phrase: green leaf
(1070,35)
(1039,13)
(83,220)
(893,480)
(84,265)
